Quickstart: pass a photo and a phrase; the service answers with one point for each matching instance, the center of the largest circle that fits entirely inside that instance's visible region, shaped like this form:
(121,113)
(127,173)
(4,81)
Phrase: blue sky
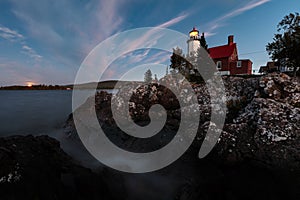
(45,41)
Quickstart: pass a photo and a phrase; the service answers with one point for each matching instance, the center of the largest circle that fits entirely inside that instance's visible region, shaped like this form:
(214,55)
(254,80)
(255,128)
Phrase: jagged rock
(281,87)
(262,121)
(267,132)
(267,129)
(258,148)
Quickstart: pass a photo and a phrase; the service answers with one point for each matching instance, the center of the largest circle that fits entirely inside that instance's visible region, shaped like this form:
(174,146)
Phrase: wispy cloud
(30,52)
(221,21)
(68,32)
(158,58)
(173,21)
(250,5)
(15,36)
(64,31)
(9,34)
(135,57)
(135,60)
(150,38)
(107,18)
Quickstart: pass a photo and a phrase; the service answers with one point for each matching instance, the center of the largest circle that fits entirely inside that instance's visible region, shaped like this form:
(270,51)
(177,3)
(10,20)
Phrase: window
(219,64)
(239,64)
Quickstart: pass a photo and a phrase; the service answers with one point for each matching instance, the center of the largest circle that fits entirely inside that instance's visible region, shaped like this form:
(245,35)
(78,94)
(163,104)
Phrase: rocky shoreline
(262,120)
(256,157)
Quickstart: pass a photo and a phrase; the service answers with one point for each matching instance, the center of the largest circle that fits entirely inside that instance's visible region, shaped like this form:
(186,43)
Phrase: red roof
(222,51)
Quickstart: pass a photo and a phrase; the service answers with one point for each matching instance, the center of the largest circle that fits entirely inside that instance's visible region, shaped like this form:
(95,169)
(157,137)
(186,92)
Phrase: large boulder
(267,130)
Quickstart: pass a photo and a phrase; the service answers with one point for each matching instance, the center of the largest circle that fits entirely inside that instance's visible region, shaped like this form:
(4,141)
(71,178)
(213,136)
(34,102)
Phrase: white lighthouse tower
(194,41)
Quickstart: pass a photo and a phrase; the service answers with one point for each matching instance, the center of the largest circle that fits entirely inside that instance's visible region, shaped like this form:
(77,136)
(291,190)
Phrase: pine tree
(167,70)
(203,42)
(177,60)
(148,76)
(155,78)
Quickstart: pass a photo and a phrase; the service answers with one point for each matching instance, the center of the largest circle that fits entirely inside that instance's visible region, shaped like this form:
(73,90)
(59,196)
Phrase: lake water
(35,112)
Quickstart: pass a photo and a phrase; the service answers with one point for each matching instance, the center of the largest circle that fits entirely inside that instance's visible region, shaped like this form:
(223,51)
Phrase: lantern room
(194,33)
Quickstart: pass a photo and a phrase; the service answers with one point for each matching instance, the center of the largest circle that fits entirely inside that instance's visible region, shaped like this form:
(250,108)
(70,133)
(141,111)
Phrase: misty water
(43,112)
(35,112)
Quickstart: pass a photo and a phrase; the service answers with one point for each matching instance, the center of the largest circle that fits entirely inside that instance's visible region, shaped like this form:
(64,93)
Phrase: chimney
(230,39)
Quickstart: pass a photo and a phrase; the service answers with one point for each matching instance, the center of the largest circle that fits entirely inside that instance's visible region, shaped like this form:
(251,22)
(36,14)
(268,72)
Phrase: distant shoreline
(35,87)
(101,85)
(109,84)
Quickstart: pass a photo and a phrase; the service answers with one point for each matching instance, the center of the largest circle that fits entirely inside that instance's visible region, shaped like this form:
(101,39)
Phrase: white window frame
(219,64)
(239,64)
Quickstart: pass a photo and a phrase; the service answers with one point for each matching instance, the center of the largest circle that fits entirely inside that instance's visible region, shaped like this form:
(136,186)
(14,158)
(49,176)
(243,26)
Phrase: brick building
(227,60)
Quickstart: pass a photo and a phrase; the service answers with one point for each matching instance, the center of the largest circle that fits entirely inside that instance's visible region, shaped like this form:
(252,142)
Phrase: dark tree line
(35,87)
(285,48)
(203,43)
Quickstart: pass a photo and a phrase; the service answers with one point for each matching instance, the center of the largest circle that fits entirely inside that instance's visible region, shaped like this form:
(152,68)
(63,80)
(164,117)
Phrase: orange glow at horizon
(29,84)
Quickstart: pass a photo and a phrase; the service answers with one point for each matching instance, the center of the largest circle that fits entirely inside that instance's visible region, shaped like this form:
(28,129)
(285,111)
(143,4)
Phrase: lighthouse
(193,42)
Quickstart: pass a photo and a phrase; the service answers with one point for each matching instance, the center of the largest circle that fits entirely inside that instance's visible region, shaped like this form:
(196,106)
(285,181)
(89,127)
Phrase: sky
(46,41)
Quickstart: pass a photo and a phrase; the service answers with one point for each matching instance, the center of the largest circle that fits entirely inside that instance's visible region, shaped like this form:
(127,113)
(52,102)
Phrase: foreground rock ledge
(37,168)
